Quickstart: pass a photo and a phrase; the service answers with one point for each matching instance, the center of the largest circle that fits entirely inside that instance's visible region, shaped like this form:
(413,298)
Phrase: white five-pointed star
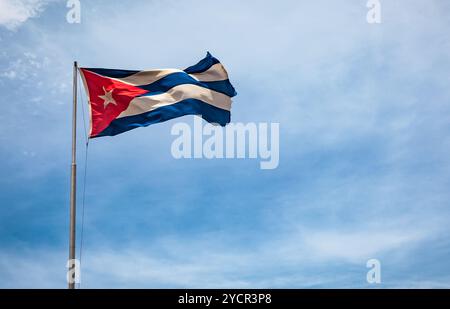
(107,98)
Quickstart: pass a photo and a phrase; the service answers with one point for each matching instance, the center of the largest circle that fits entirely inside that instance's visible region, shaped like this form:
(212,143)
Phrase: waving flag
(121,100)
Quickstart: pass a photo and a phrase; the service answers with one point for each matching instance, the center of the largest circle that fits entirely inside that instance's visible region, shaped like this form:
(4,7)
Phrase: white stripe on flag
(147,77)
(215,73)
(179,93)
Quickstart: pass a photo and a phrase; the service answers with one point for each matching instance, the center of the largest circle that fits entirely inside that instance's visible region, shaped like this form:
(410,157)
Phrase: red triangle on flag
(108,98)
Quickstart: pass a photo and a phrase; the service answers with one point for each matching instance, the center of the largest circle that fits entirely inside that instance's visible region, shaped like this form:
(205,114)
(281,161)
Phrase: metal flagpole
(73,183)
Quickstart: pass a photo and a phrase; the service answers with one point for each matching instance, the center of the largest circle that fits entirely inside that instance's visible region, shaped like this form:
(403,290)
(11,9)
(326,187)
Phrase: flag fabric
(121,100)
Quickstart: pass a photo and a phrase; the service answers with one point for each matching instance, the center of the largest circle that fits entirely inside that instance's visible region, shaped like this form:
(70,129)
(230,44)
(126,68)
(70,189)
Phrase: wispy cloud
(212,261)
(13,13)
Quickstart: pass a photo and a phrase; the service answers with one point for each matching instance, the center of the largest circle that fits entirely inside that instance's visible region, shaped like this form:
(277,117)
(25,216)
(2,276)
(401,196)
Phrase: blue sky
(364,168)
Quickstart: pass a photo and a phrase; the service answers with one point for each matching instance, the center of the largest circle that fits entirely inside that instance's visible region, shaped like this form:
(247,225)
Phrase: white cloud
(358,246)
(297,258)
(9,74)
(28,269)
(24,66)
(15,12)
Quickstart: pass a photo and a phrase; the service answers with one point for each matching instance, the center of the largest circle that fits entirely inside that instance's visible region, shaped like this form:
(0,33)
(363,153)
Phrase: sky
(364,170)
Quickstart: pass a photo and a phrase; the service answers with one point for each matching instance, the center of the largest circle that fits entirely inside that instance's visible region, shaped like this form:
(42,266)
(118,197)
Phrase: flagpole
(73,183)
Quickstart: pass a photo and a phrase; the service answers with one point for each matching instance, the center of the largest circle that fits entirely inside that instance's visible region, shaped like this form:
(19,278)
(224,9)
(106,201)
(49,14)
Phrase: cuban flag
(121,100)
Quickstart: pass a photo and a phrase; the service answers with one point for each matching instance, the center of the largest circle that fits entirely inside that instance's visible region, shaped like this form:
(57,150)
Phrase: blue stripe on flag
(112,72)
(223,86)
(175,79)
(203,65)
(208,112)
